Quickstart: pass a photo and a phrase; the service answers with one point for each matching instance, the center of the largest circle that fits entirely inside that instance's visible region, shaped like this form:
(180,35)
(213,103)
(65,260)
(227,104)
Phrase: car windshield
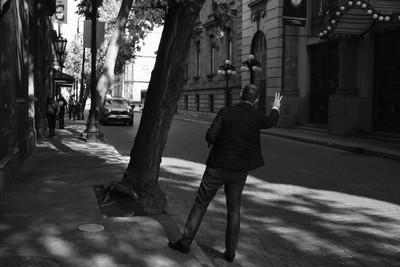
(116,103)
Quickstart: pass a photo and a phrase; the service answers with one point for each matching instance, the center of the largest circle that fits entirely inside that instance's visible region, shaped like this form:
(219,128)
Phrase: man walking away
(71,107)
(62,103)
(236,150)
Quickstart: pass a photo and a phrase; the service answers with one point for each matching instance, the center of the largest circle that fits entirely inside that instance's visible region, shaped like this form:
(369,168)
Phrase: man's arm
(215,129)
(272,119)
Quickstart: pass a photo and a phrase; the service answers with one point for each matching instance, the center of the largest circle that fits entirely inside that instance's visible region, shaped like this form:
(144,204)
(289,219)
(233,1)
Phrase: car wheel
(130,123)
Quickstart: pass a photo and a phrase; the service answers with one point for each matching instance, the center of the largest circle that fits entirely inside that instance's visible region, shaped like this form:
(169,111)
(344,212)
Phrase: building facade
(25,80)
(133,83)
(338,70)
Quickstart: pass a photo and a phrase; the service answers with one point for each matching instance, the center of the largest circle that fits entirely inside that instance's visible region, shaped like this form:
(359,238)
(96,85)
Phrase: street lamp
(92,126)
(227,70)
(60,44)
(251,65)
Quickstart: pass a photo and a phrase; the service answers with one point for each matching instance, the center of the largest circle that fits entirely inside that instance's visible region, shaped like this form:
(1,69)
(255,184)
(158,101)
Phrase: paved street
(308,206)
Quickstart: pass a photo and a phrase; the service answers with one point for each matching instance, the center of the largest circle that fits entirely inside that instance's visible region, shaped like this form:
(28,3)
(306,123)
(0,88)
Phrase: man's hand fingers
(278,97)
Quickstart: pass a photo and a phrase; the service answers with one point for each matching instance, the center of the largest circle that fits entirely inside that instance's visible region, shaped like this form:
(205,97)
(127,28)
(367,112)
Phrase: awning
(356,18)
(63,78)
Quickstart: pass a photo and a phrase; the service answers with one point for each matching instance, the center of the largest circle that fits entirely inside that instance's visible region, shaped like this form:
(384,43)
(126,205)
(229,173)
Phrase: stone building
(25,80)
(132,84)
(338,69)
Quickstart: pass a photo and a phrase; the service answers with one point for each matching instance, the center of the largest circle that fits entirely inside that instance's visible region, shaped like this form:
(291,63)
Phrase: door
(324,80)
(386,103)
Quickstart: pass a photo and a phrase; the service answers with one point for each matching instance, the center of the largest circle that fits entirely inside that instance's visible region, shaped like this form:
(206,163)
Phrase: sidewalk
(51,216)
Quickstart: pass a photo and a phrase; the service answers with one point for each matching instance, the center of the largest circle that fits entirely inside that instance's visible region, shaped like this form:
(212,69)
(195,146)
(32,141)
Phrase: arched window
(259,42)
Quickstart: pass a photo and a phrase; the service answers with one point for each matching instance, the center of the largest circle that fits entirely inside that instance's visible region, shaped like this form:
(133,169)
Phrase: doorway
(386,102)
(324,80)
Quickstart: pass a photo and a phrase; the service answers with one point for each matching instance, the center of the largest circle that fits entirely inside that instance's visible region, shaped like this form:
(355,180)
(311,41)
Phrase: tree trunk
(163,94)
(107,75)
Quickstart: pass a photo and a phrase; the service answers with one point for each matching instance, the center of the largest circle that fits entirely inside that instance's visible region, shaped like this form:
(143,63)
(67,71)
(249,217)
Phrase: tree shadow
(293,225)
(53,195)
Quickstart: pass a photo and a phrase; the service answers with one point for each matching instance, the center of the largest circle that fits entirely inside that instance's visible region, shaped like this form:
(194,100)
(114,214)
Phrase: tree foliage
(143,17)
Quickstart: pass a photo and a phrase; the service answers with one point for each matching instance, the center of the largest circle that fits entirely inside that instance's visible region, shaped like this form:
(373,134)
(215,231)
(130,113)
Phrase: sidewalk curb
(362,150)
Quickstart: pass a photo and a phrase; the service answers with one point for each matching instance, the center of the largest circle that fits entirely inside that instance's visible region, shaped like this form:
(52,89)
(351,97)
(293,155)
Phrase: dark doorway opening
(386,103)
(324,80)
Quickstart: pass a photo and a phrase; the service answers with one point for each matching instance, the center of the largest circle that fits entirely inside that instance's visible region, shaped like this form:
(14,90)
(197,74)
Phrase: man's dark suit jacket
(235,137)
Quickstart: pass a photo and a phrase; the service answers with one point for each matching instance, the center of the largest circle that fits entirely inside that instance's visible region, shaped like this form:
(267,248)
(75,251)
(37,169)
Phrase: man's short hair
(250,93)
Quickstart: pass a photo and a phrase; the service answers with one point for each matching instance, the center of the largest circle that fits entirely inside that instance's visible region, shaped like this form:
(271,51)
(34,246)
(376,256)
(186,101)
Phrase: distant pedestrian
(62,103)
(52,110)
(236,150)
(71,107)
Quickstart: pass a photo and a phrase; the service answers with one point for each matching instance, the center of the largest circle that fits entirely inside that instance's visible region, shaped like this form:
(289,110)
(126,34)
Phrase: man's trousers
(213,179)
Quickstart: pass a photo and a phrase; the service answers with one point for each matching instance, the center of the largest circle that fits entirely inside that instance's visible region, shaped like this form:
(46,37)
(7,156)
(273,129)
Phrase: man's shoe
(229,257)
(178,246)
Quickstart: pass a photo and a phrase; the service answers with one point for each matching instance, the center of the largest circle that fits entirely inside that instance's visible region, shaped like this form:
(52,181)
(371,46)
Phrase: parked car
(116,110)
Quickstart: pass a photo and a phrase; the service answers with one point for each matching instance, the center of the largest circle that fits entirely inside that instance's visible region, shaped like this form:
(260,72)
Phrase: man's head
(249,93)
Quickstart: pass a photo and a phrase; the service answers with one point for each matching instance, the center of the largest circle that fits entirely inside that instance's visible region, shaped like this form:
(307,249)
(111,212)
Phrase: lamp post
(251,65)
(60,44)
(227,70)
(92,127)
(83,77)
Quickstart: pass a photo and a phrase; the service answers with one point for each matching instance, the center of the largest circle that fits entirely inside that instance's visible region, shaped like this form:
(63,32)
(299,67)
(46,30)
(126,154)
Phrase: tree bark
(163,94)
(107,75)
